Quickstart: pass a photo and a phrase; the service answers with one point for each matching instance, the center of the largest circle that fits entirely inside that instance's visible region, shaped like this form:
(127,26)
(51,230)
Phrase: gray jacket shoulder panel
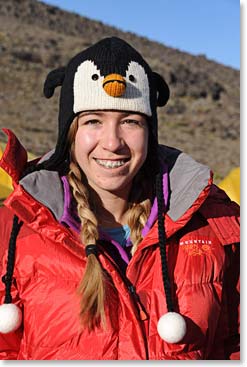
(187,179)
(46,187)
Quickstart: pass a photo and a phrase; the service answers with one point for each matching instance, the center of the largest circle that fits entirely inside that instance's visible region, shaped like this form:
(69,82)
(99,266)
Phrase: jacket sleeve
(232,303)
(223,217)
(226,344)
(9,343)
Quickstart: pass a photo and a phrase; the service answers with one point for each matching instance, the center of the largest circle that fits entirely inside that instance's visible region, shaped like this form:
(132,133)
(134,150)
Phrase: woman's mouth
(108,163)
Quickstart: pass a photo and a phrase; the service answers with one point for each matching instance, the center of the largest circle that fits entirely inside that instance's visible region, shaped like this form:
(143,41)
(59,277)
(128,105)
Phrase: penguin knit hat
(110,75)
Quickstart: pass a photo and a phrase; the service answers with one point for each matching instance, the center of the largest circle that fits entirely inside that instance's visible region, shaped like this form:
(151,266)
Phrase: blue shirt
(118,234)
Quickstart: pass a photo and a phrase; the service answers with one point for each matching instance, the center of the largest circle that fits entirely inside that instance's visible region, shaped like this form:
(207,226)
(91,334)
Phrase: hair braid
(140,207)
(92,286)
(89,232)
(137,217)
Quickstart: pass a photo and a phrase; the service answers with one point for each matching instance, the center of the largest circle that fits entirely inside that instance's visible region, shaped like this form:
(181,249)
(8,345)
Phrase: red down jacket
(203,262)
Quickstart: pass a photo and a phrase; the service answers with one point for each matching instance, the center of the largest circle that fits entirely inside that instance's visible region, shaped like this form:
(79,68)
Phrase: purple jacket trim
(69,217)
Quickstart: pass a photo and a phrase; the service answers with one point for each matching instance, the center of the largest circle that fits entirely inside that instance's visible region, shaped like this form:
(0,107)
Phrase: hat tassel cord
(171,326)
(10,314)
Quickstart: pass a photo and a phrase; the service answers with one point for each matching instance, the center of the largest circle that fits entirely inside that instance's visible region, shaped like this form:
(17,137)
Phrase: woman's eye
(89,122)
(92,122)
(131,122)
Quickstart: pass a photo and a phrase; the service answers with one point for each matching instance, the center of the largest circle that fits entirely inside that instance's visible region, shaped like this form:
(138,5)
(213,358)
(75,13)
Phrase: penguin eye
(132,78)
(95,77)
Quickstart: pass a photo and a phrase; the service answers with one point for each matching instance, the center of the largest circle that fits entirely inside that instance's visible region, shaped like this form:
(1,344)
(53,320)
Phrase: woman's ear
(163,91)
(54,79)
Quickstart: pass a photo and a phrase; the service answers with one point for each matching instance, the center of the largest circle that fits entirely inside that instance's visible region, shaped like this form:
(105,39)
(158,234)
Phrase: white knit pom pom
(10,317)
(171,327)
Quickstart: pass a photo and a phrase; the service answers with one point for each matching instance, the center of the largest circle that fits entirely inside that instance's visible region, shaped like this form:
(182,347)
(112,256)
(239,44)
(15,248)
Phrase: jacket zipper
(139,307)
(142,312)
(134,296)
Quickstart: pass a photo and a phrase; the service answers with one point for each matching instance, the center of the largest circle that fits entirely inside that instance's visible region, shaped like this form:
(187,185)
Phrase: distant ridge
(201,118)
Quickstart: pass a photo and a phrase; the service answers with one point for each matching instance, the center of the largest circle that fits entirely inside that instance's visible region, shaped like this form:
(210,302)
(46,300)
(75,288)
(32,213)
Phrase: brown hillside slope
(201,118)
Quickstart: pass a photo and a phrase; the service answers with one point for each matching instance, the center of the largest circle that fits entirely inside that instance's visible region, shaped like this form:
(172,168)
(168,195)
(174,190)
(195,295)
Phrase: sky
(199,27)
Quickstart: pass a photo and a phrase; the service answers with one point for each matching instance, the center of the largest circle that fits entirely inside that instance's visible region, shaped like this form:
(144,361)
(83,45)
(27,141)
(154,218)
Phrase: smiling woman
(113,246)
(114,148)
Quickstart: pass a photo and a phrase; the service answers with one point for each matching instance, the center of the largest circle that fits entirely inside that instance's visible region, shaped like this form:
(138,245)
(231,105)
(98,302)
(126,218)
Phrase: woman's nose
(112,139)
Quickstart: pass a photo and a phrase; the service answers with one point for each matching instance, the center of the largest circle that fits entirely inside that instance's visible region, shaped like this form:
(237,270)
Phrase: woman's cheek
(85,141)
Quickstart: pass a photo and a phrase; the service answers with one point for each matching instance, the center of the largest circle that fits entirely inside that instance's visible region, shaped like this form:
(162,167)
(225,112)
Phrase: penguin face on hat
(110,75)
(128,91)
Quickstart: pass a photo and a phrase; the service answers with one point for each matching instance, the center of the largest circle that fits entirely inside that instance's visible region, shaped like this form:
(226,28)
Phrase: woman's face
(110,148)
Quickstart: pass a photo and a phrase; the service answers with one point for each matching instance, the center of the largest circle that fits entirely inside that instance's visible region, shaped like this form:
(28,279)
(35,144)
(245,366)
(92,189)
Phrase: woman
(115,247)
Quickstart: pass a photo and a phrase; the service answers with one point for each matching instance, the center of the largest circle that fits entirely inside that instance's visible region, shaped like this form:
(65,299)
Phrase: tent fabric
(5,180)
(231,185)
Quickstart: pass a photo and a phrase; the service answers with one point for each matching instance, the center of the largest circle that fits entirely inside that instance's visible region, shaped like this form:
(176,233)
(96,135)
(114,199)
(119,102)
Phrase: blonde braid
(89,223)
(139,211)
(137,218)
(92,286)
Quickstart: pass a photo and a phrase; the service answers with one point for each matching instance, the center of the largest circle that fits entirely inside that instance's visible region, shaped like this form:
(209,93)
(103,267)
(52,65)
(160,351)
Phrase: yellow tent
(231,184)
(5,180)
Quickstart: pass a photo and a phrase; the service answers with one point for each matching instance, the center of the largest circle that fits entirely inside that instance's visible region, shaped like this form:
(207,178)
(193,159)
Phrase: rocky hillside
(201,118)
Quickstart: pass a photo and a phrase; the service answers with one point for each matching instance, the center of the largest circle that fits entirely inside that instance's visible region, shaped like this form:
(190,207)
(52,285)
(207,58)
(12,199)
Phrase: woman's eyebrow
(100,113)
(89,113)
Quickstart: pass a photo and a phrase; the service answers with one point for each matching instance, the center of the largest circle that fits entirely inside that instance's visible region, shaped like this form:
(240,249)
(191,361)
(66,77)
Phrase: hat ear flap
(54,79)
(163,91)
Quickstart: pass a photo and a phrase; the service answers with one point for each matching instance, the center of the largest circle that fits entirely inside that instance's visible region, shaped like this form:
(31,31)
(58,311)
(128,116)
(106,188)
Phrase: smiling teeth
(110,164)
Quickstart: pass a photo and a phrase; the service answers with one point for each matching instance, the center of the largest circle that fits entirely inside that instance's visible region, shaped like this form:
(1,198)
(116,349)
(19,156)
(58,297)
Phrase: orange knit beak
(114,85)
